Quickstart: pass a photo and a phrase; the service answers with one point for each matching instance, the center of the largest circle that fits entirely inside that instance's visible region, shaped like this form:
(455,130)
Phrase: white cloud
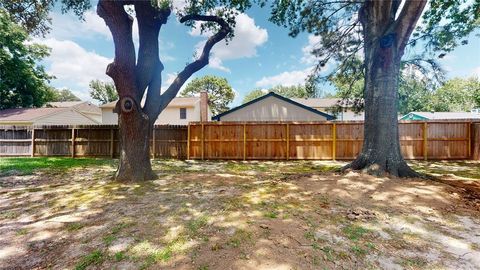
(248,37)
(308,57)
(179,4)
(67,26)
(215,62)
(74,66)
(168,80)
(287,78)
(476,72)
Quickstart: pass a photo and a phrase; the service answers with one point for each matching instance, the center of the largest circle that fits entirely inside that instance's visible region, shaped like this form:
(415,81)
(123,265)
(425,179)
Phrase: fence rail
(326,140)
(86,141)
(246,140)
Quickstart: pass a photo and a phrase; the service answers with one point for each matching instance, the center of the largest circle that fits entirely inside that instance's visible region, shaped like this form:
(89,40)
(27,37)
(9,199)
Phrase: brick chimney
(203,106)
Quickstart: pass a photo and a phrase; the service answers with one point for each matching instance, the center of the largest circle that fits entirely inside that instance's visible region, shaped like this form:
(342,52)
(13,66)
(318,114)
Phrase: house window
(183,113)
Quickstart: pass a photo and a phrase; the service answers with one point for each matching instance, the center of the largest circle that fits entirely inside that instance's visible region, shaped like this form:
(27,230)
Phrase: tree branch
(201,62)
(408,18)
(149,66)
(123,67)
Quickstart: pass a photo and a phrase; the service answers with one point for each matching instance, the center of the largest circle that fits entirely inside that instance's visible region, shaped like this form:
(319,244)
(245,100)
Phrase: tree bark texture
(134,78)
(135,133)
(385,35)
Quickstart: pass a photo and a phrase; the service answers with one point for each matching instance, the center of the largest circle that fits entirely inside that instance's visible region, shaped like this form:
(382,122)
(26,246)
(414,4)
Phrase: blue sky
(261,54)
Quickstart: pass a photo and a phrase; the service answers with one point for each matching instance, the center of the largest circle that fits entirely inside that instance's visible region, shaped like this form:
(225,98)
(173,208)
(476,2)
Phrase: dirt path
(212,215)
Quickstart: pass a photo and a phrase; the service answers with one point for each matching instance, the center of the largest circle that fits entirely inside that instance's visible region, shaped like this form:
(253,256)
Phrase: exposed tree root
(382,167)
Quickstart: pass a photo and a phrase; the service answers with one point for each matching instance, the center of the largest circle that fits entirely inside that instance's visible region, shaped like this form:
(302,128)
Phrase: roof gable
(272,94)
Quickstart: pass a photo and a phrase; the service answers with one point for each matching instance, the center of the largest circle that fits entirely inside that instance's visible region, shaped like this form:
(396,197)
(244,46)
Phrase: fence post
(153,142)
(32,154)
(112,152)
(203,141)
(469,134)
(425,141)
(288,141)
(73,142)
(334,141)
(188,141)
(244,141)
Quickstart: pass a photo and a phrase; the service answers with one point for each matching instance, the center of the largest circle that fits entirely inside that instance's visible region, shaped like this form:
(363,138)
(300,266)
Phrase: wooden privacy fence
(83,141)
(325,140)
(247,141)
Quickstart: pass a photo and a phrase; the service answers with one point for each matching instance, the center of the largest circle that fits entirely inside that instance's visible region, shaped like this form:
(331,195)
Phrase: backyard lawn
(62,213)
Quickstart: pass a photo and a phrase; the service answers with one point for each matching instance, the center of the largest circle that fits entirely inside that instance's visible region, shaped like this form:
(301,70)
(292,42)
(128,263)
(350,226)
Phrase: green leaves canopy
(457,95)
(445,24)
(294,91)
(62,95)
(104,92)
(220,93)
(23,83)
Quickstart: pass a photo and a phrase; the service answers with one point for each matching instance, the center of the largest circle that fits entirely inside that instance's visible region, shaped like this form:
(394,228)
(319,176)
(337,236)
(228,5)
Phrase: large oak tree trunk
(386,34)
(381,147)
(135,131)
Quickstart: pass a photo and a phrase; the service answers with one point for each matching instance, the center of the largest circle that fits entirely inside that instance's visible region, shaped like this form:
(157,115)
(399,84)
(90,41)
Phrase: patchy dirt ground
(236,215)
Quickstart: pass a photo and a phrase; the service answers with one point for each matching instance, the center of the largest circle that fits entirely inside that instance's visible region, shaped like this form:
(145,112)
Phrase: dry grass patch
(240,215)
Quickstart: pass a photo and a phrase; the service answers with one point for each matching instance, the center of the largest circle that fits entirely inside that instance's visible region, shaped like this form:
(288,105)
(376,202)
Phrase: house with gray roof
(424,116)
(45,116)
(273,107)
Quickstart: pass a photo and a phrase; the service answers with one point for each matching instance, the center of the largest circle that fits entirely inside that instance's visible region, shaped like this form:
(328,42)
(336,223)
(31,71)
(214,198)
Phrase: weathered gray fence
(83,141)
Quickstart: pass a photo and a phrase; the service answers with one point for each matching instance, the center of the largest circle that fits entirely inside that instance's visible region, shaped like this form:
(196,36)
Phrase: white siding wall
(109,117)
(272,109)
(68,117)
(171,116)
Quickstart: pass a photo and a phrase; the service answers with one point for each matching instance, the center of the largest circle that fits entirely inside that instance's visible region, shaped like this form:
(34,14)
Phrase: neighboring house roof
(440,115)
(82,106)
(325,102)
(272,94)
(176,102)
(64,104)
(26,115)
(31,115)
(317,102)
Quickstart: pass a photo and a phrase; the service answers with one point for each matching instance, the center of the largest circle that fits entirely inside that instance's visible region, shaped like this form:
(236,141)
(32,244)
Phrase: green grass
(74,226)
(271,214)
(119,256)
(240,237)
(359,251)
(354,232)
(108,240)
(25,166)
(22,232)
(94,258)
(194,225)
(458,168)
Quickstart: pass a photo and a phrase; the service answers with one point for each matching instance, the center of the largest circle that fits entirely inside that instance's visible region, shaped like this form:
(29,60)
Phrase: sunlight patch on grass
(25,166)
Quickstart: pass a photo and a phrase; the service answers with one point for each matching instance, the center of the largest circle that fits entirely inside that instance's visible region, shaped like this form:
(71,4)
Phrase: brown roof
(64,104)
(27,115)
(176,102)
(82,106)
